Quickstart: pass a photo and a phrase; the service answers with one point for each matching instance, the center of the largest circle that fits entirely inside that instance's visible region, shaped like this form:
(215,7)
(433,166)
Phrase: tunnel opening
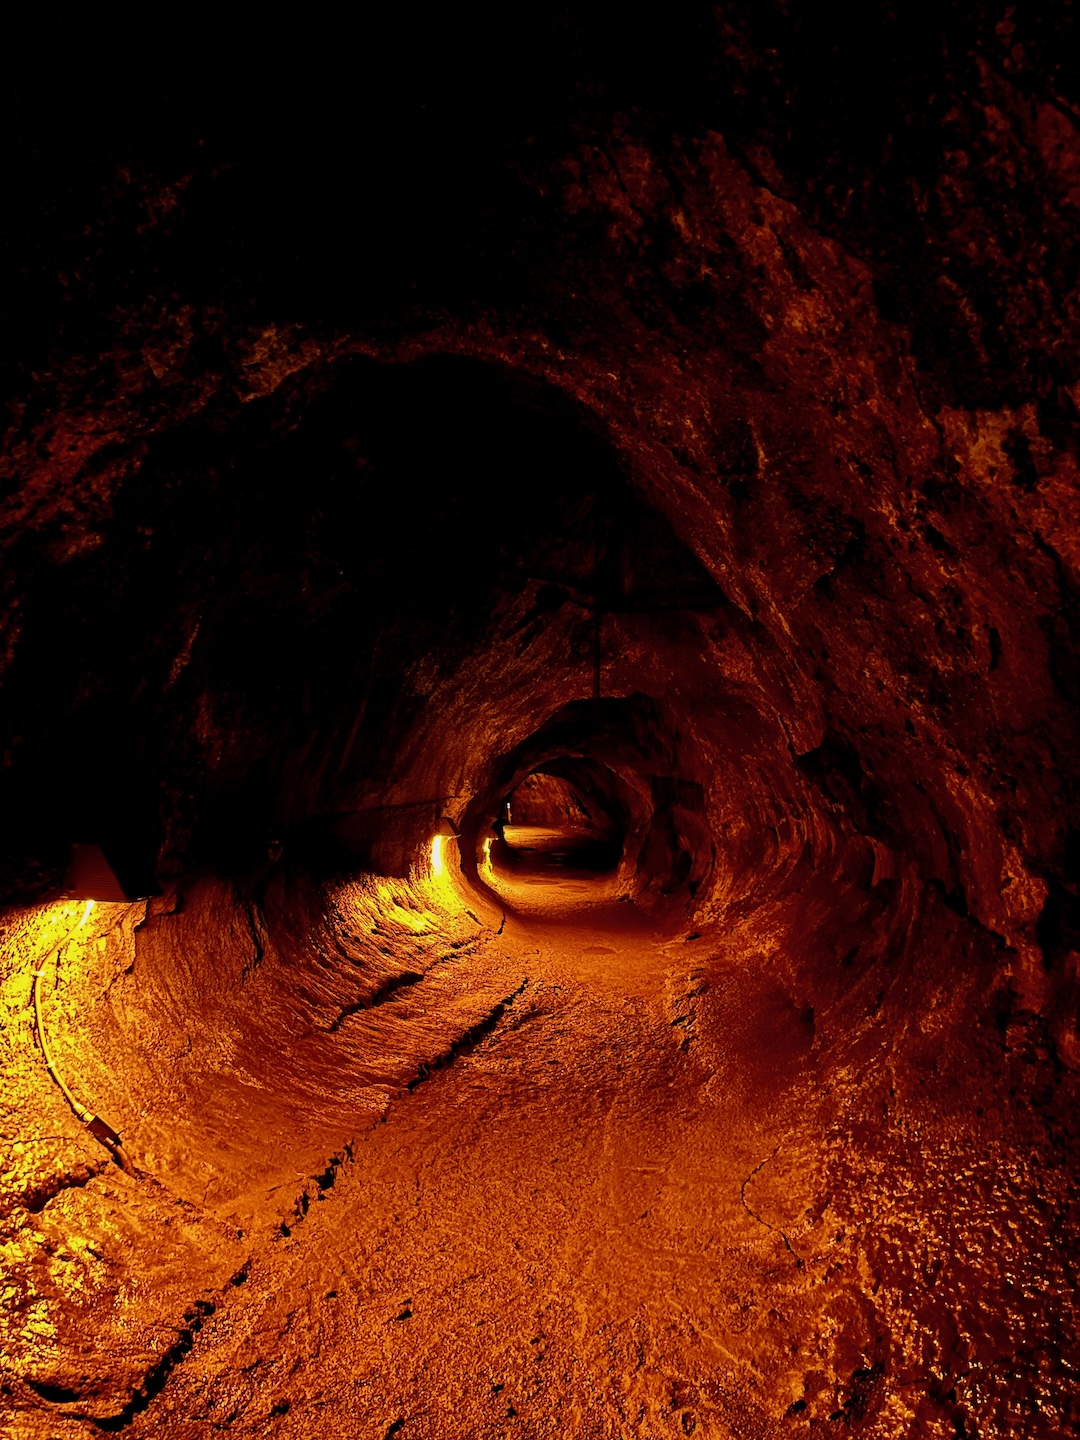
(564,815)
(603,806)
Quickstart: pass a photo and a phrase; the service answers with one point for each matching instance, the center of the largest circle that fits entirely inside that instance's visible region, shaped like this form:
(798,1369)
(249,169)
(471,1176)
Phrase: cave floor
(650,1195)
(547,1237)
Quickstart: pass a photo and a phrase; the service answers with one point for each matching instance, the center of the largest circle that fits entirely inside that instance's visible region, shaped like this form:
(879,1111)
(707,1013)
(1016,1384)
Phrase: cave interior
(540,867)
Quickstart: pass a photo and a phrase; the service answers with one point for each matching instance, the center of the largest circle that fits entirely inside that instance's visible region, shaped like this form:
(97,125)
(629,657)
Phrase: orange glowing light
(438,863)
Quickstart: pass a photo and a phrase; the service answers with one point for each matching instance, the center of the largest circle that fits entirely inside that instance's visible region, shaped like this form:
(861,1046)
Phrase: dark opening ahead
(561,816)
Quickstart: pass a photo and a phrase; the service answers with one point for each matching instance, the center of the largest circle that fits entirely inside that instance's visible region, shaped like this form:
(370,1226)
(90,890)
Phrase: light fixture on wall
(445,830)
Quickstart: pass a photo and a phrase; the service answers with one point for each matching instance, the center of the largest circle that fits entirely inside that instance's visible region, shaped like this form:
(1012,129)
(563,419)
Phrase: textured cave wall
(846,383)
(796,303)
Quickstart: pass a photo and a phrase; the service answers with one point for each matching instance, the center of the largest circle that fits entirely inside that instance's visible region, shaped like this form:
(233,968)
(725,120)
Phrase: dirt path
(547,1237)
(644,1184)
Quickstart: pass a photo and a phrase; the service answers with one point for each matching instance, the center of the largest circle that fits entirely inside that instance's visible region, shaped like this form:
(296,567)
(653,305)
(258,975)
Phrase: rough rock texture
(695,407)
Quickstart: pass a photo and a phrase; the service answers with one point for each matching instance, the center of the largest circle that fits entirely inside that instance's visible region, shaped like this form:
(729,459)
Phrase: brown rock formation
(675,431)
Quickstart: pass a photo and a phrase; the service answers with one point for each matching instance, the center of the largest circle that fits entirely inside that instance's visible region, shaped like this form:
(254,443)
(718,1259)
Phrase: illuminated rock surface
(677,441)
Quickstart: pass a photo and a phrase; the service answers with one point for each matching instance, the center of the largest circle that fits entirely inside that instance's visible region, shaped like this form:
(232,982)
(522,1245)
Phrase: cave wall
(832,353)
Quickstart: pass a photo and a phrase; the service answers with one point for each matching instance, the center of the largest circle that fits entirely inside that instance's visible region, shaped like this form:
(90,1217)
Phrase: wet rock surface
(694,411)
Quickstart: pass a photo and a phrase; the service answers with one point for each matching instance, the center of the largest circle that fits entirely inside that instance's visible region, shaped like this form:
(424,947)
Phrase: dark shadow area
(227,674)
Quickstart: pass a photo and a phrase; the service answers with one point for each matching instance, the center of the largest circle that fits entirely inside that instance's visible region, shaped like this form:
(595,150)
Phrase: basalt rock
(675,429)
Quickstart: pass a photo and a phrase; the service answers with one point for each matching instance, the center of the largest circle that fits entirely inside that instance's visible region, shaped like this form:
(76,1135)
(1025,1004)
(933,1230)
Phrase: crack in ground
(37,1197)
(325,1181)
(753,1213)
(386,991)
(259,948)
(157,1376)
(465,1042)
(470,1039)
